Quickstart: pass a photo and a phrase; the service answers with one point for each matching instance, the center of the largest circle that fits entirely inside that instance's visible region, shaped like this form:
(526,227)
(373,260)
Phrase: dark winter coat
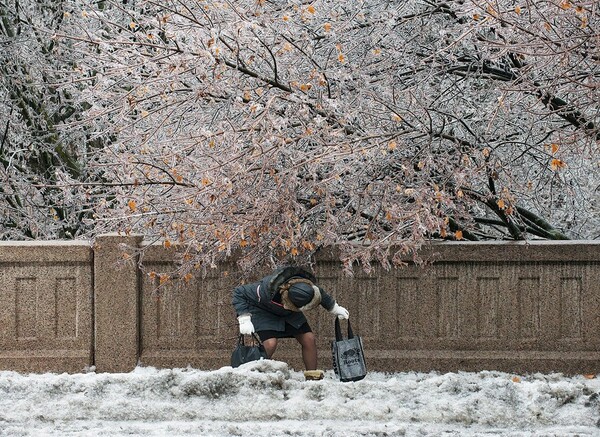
(268,314)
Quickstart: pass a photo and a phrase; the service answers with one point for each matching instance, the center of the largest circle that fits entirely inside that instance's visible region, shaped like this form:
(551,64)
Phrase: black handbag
(245,353)
(348,355)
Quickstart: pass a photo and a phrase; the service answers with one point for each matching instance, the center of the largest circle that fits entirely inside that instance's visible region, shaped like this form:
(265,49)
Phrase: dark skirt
(289,332)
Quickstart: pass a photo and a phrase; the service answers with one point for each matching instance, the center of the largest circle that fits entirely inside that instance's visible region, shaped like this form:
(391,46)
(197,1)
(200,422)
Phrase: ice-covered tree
(39,162)
(272,129)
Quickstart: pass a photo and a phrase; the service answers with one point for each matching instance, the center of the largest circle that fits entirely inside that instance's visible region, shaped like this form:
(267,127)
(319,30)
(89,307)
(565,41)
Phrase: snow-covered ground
(267,398)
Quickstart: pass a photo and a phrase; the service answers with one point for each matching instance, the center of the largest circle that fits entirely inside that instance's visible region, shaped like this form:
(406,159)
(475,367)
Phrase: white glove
(246,326)
(339,311)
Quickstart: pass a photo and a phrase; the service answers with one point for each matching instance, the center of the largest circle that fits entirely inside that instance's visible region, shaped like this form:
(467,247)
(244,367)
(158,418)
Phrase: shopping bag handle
(254,336)
(338,330)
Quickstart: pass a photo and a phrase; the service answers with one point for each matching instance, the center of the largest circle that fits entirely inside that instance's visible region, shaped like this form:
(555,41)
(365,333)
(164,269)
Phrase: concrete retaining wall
(517,307)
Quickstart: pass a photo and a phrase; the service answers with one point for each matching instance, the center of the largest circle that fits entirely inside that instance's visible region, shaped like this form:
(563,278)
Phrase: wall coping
(52,251)
(45,243)
(435,251)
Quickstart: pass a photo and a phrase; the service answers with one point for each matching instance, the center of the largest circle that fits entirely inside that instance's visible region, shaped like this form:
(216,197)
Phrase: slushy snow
(268,398)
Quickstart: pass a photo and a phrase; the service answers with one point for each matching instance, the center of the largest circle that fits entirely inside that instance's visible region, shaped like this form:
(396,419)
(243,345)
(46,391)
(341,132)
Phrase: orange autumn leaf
(556,164)
(311,9)
(501,204)
(188,277)
(589,376)
(167,244)
(459,235)
(565,5)
(307,245)
(294,251)
(327,27)
(132,205)
(516,379)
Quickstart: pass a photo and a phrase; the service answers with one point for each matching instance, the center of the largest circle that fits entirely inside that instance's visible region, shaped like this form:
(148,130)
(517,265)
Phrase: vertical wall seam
(138,278)
(93,304)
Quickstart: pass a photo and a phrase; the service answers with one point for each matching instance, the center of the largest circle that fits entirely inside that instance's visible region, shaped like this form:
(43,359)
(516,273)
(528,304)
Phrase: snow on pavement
(269,398)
